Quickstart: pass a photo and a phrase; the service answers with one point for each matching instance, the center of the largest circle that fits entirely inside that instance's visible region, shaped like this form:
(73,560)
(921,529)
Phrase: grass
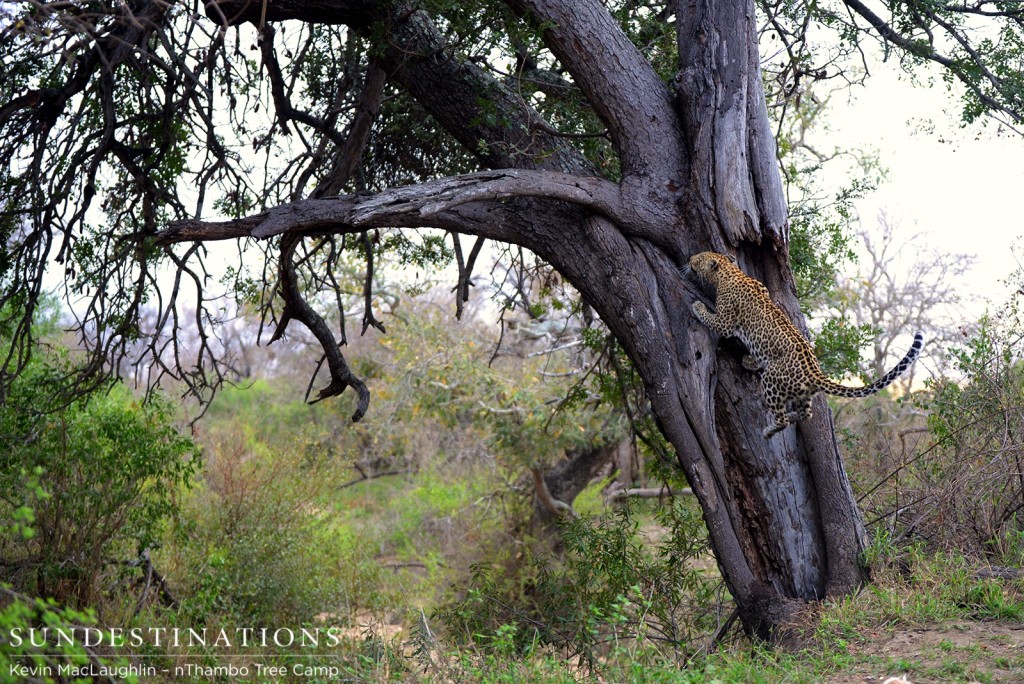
(397,548)
(402,545)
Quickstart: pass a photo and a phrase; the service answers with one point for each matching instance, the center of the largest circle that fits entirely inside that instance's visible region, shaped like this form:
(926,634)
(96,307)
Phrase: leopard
(790,373)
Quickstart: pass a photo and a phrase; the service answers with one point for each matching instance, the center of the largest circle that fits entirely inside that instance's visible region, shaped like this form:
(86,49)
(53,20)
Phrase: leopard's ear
(714,264)
(731,258)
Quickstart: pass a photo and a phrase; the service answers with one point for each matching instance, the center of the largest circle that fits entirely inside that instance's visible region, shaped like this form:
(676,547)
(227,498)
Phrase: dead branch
(663,492)
(374,476)
(551,504)
(296,307)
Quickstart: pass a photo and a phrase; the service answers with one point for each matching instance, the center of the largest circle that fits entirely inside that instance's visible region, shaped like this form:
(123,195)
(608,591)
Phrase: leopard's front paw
(699,310)
(776,426)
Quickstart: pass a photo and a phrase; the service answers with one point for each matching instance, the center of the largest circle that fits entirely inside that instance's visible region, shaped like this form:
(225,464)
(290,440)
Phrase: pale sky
(961,187)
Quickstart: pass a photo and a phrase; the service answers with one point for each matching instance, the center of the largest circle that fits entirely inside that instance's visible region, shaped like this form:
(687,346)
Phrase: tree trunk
(698,172)
(561,484)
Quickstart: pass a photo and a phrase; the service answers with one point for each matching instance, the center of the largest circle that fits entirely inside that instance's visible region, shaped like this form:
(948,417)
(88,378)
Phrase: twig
(372,476)
(552,350)
(720,633)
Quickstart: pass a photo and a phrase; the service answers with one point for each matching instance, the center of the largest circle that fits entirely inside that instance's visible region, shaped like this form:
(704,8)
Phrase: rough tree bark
(698,172)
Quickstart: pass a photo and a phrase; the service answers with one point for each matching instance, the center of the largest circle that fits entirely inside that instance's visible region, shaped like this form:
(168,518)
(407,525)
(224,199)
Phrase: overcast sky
(961,187)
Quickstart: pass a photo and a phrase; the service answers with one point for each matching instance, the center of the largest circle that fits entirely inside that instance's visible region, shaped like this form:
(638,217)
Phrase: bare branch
(296,307)
(351,151)
(368,318)
(555,507)
(663,492)
(465,267)
(971,69)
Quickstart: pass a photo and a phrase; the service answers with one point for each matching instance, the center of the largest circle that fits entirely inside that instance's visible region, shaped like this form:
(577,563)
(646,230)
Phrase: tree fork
(781,516)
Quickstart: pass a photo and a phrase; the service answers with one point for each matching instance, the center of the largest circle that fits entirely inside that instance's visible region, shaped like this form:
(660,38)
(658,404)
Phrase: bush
(260,547)
(95,482)
(20,614)
(949,473)
(974,477)
(615,594)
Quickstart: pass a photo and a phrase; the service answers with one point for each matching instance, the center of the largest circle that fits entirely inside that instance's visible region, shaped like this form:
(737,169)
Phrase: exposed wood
(433,203)
(555,507)
(647,493)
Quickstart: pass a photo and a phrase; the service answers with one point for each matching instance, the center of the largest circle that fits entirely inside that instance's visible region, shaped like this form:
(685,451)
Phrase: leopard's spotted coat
(790,373)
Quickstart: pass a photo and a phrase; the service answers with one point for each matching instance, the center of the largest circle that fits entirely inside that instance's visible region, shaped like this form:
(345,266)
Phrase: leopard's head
(709,265)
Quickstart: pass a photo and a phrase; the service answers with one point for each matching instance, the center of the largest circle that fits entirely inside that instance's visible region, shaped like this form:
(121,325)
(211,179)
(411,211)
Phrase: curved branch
(297,308)
(425,204)
(465,271)
(916,48)
(967,73)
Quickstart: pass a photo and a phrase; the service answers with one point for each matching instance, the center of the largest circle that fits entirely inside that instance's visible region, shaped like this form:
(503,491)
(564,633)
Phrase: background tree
(903,287)
(613,141)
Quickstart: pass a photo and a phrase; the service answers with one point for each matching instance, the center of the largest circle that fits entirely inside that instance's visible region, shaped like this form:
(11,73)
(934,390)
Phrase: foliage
(20,614)
(268,536)
(874,632)
(257,546)
(85,487)
(512,406)
(942,467)
(100,148)
(979,48)
(977,427)
(94,481)
(610,589)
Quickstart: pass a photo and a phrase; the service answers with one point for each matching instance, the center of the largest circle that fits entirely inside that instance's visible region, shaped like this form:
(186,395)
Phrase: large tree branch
(630,98)
(637,104)
(460,95)
(427,204)
(355,13)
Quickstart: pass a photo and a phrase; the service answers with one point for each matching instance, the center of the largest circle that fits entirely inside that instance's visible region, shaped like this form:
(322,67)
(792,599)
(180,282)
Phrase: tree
(896,294)
(611,140)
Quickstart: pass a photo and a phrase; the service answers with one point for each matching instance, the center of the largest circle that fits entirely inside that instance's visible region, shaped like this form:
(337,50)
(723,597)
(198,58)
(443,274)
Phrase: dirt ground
(951,652)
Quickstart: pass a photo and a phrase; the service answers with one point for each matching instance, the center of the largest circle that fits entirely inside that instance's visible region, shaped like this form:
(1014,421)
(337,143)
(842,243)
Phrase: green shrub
(20,658)
(260,547)
(104,476)
(613,595)
(969,482)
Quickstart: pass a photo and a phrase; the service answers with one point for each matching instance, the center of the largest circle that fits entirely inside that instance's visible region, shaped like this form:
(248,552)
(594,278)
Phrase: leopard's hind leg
(775,398)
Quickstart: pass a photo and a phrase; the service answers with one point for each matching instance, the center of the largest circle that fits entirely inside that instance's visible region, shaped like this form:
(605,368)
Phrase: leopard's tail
(838,390)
